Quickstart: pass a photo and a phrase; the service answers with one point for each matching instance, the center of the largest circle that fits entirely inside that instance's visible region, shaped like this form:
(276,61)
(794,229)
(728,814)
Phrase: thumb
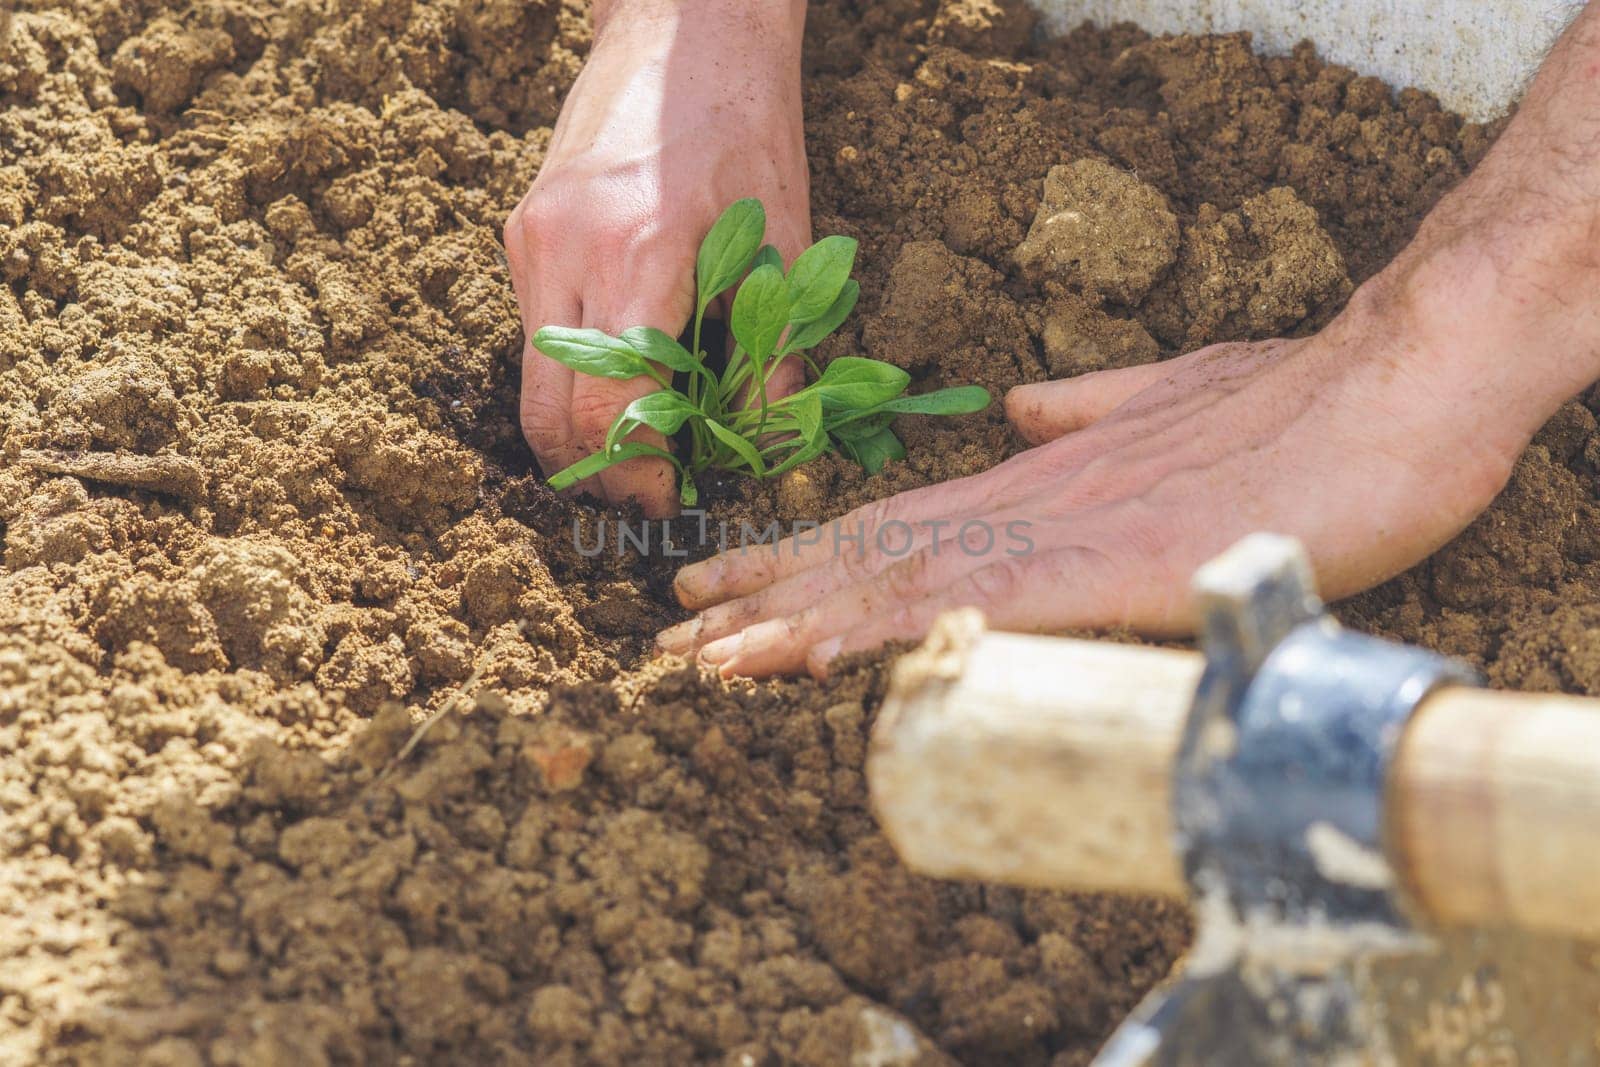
(1046,410)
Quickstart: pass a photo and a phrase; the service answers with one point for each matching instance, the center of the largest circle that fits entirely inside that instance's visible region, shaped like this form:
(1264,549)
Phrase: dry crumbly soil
(264,506)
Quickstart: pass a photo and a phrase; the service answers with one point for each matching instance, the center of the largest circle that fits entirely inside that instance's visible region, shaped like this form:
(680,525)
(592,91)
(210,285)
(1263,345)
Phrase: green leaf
(745,450)
(959,400)
(726,252)
(611,456)
(779,421)
(810,334)
(806,407)
(874,451)
(855,383)
(818,276)
(591,352)
(806,454)
(857,425)
(760,312)
(800,415)
(767,255)
(665,411)
(688,492)
(662,348)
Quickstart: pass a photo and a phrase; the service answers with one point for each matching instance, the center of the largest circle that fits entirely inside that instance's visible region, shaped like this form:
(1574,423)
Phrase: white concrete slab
(1475,55)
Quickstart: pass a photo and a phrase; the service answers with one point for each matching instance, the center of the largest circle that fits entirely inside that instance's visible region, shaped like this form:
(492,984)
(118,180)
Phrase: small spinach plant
(731,425)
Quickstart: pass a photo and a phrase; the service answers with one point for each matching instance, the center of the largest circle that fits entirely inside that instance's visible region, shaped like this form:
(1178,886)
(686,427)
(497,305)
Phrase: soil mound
(264,506)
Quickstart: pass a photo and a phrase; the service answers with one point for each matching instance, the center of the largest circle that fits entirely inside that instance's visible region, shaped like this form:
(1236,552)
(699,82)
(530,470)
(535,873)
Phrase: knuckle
(1485,475)
(789,376)
(994,583)
(858,566)
(908,578)
(1097,481)
(1127,577)
(1158,532)
(760,565)
(526,224)
(619,233)
(905,620)
(543,423)
(871,518)
(796,627)
(745,611)
(620,239)
(544,436)
(511,232)
(592,414)
(543,211)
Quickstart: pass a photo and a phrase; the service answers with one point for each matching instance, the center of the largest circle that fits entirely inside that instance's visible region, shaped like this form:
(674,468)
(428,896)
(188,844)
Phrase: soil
(264,507)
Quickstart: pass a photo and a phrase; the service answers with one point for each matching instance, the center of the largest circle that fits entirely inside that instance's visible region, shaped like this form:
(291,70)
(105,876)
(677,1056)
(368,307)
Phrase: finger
(789,236)
(1072,588)
(596,402)
(856,546)
(518,239)
(870,537)
(545,400)
(545,411)
(545,392)
(940,555)
(778,643)
(1045,411)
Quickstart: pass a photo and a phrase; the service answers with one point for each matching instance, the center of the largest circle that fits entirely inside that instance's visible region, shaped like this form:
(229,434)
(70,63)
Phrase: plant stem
(697,432)
(761,376)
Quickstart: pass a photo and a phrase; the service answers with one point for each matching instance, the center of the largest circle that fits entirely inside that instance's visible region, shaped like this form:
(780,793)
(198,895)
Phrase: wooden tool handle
(1047,762)
(1494,810)
(1031,760)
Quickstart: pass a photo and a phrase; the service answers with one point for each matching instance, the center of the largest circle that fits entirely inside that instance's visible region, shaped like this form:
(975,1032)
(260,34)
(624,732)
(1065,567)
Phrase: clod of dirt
(1101,231)
(1079,338)
(1253,272)
(166,63)
(948,311)
(125,403)
(256,592)
(984,26)
(172,475)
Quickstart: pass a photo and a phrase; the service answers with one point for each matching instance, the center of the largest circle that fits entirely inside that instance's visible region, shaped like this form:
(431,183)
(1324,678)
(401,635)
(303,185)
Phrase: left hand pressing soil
(1140,476)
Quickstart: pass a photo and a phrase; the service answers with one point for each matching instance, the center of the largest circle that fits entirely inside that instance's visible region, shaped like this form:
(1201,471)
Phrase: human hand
(683,107)
(1355,440)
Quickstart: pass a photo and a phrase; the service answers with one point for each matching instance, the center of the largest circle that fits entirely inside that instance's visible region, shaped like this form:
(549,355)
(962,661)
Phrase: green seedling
(727,418)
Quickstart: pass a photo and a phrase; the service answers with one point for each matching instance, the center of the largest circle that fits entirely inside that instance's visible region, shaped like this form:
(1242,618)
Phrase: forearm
(1504,272)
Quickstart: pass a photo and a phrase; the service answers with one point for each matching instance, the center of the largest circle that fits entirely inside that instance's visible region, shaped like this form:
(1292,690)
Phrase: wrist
(1502,321)
(760,23)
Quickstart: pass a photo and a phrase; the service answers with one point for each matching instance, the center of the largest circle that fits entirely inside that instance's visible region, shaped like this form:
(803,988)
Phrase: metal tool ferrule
(1280,784)
(1281,781)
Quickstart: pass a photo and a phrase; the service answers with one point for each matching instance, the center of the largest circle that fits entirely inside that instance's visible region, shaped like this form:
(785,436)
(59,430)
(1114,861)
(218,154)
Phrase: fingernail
(823,652)
(679,638)
(722,650)
(696,580)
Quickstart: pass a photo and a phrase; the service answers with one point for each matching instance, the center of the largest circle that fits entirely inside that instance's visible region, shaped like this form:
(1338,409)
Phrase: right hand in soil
(683,107)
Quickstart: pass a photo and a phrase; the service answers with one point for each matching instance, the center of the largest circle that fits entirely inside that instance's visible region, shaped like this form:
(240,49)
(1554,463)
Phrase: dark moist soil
(264,507)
